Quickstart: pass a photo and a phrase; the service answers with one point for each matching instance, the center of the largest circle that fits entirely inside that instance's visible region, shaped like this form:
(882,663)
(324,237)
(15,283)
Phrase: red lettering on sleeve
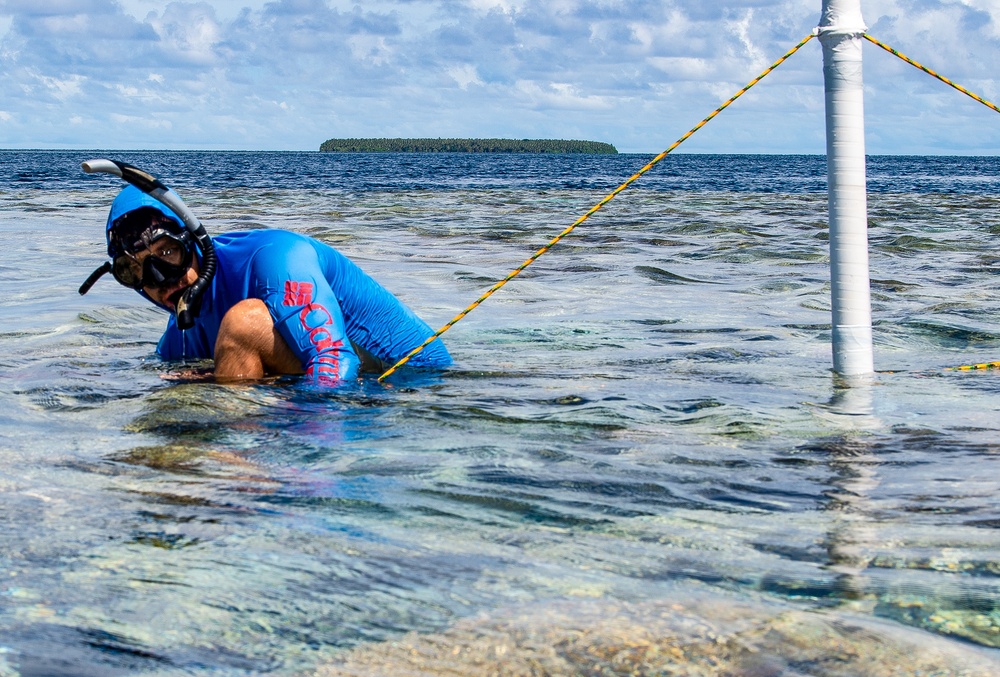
(298,293)
(316,320)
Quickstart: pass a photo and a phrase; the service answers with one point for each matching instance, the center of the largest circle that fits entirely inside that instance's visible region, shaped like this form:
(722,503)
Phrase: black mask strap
(94,277)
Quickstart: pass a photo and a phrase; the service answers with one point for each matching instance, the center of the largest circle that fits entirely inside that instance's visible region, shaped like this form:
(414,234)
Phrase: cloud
(54,8)
(560,95)
(62,89)
(371,49)
(683,67)
(465,75)
(143,122)
(291,73)
(188,33)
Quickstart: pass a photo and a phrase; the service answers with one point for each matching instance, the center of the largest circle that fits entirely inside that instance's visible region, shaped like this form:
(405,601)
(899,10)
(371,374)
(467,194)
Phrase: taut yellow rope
(930,72)
(489,292)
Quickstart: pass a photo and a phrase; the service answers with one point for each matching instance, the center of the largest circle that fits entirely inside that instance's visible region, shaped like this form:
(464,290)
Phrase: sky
(289,74)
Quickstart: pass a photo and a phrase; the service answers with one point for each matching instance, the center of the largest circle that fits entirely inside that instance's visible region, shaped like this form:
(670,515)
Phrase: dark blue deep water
(364,172)
(640,444)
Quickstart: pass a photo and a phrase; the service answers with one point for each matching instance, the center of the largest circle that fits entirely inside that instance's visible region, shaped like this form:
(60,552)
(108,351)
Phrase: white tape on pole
(840,30)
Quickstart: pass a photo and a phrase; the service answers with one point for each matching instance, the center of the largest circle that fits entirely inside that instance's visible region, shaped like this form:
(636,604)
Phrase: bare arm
(250,347)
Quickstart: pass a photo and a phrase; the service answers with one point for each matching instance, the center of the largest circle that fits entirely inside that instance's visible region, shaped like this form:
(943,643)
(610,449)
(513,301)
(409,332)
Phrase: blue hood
(130,199)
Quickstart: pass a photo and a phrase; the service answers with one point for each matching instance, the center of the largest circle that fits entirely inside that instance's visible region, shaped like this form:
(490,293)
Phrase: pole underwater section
(840,32)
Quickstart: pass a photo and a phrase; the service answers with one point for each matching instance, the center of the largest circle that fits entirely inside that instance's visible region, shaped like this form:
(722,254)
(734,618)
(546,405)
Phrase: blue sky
(288,74)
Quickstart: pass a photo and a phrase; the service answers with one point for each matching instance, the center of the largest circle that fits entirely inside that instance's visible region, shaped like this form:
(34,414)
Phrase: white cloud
(5,116)
(188,33)
(370,48)
(741,29)
(62,88)
(560,95)
(259,103)
(484,6)
(224,9)
(682,67)
(465,75)
(674,30)
(637,73)
(143,122)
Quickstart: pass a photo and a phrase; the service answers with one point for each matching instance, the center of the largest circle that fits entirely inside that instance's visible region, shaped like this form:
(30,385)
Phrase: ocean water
(647,412)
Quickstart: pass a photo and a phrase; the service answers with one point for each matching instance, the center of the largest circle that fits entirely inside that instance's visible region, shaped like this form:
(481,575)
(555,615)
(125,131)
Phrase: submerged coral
(693,636)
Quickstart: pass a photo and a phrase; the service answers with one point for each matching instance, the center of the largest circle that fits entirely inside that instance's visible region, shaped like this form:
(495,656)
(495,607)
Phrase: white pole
(840,30)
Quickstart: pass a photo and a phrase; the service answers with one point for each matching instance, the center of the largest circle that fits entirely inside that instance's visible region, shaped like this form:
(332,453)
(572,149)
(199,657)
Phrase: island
(466,146)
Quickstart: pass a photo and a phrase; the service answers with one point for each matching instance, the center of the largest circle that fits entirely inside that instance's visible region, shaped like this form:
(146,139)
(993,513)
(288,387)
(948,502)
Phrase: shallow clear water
(647,406)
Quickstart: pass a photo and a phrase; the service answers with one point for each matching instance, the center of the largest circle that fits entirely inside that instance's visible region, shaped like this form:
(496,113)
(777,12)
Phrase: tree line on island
(466,146)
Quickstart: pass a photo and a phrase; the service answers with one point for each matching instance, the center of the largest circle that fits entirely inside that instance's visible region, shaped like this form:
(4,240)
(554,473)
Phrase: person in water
(279,302)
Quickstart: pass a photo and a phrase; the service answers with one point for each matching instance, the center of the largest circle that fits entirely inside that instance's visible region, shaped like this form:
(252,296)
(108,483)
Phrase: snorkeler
(274,302)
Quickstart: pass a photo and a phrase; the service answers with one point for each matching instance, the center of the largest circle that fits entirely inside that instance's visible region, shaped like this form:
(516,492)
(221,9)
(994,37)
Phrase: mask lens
(127,271)
(168,249)
(158,273)
(166,263)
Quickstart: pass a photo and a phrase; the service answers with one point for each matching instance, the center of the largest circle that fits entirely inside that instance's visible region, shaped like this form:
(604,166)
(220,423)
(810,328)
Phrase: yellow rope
(930,72)
(972,367)
(591,211)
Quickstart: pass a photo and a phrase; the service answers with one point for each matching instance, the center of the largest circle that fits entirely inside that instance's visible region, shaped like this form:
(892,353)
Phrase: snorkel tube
(189,303)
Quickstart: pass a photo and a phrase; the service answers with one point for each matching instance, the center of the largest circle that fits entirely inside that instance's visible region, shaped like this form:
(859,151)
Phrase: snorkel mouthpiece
(94,277)
(189,304)
(190,301)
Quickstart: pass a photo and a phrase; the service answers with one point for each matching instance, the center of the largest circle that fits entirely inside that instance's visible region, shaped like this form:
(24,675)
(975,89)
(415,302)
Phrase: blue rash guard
(320,301)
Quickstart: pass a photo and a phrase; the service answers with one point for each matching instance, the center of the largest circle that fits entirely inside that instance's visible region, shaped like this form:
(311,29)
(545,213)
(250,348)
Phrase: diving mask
(148,249)
(161,262)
